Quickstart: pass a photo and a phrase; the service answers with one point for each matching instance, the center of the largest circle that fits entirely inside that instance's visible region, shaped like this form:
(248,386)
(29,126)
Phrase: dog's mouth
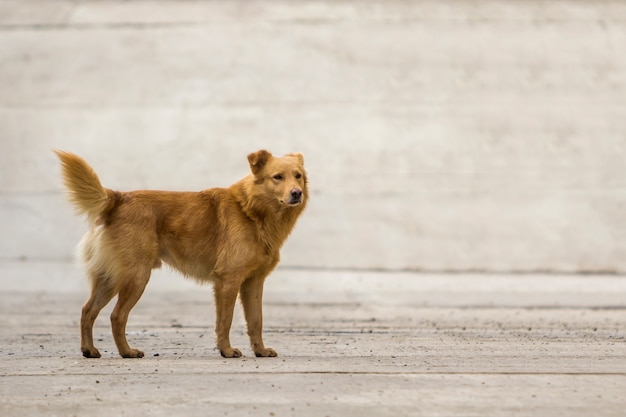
(292,202)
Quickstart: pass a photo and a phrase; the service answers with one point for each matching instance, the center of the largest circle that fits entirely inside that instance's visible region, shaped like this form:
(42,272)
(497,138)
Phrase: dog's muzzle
(295,196)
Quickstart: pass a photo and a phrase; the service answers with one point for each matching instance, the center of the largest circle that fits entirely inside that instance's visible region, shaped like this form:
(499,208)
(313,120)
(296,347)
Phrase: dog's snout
(296,193)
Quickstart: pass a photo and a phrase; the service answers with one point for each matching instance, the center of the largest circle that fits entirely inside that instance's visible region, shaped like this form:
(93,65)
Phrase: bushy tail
(85,191)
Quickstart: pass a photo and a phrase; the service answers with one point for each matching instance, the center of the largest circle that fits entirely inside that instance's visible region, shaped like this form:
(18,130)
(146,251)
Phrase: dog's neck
(273,220)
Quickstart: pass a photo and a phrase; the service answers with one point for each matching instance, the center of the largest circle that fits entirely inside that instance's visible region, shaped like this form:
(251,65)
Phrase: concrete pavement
(349,344)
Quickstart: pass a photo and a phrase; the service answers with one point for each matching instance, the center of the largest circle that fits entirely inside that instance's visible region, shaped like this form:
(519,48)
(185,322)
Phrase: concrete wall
(442,135)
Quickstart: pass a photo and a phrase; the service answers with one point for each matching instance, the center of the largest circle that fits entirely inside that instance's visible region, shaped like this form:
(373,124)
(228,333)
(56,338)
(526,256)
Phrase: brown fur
(228,236)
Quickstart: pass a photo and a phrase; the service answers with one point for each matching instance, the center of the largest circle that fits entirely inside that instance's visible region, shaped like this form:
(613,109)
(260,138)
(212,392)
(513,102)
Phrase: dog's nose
(296,193)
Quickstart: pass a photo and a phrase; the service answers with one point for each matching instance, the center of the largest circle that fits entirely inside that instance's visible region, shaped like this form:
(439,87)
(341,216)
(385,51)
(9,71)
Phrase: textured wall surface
(442,135)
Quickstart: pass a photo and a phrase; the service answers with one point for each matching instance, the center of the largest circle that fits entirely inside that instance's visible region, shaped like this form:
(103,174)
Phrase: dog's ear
(258,160)
(299,157)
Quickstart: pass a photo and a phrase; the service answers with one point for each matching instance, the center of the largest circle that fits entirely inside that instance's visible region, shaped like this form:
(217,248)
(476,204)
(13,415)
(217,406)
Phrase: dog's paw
(265,353)
(91,352)
(231,353)
(132,353)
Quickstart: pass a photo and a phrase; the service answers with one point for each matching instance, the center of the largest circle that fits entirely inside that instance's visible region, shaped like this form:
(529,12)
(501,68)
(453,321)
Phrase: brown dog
(230,236)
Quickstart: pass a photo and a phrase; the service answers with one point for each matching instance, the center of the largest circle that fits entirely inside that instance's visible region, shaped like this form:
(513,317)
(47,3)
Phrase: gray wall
(442,136)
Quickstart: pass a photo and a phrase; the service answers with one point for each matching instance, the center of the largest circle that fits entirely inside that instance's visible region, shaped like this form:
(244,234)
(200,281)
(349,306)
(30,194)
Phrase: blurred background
(439,136)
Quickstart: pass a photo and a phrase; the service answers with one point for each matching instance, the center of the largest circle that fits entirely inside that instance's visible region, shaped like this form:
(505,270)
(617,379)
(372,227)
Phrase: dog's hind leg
(101,293)
(131,289)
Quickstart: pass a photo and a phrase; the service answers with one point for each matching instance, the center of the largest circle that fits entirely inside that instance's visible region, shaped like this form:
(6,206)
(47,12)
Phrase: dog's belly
(207,268)
(200,270)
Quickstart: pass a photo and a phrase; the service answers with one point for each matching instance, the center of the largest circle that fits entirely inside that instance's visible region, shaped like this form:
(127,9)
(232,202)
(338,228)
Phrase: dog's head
(281,178)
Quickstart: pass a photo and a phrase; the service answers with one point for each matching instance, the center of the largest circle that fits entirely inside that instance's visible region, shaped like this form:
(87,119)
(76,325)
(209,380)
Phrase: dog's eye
(278,177)
(298,176)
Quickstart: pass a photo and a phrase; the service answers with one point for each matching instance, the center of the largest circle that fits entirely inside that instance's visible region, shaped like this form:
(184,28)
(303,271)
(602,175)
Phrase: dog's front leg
(225,298)
(252,301)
